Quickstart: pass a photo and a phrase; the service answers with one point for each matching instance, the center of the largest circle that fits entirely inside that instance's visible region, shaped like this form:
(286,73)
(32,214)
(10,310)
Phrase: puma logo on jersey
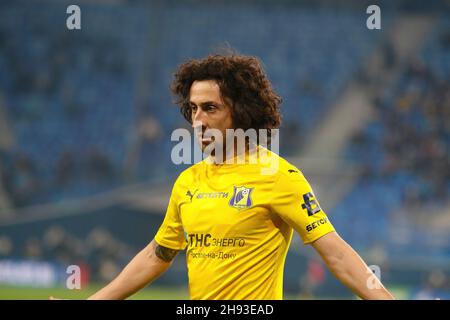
(191,195)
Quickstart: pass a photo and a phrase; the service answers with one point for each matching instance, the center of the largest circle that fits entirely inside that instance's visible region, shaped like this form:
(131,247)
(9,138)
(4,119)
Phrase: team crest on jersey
(241,198)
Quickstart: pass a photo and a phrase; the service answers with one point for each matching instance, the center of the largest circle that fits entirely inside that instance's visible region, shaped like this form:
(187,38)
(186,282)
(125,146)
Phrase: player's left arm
(349,267)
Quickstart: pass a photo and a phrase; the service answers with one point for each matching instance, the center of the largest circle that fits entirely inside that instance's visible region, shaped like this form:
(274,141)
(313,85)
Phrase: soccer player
(235,222)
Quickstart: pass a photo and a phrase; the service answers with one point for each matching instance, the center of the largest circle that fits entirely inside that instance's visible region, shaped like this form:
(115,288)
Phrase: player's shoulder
(289,179)
(284,169)
(290,171)
(188,175)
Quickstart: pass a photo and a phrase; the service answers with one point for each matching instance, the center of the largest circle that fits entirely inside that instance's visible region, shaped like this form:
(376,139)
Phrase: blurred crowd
(23,180)
(104,255)
(37,77)
(415,134)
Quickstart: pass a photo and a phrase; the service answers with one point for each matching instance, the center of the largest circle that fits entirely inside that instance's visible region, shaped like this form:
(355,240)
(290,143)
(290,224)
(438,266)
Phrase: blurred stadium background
(86,117)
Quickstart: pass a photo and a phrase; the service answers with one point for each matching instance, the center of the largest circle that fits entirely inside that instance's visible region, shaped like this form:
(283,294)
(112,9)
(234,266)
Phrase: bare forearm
(142,269)
(352,271)
(349,268)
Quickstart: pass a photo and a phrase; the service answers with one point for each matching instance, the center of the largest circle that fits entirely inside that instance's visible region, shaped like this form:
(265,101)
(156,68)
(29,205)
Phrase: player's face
(209,110)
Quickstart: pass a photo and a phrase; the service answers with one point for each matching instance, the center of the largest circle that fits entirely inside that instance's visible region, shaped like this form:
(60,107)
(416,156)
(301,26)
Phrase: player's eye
(210,108)
(194,109)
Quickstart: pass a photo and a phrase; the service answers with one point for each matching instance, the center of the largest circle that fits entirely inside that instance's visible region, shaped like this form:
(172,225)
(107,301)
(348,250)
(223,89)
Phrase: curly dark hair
(243,84)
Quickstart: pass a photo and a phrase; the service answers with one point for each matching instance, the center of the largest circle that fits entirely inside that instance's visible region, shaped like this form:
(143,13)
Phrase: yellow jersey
(236,223)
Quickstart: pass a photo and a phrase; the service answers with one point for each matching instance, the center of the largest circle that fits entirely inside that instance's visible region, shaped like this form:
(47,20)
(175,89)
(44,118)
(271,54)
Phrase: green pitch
(151,293)
(26,293)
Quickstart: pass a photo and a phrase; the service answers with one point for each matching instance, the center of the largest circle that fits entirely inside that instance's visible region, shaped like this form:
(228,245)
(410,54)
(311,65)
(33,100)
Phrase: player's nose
(199,127)
(199,119)
(199,116)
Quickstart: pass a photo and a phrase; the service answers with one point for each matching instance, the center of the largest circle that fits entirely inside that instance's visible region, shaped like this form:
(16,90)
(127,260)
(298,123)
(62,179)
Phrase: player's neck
(235,154)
